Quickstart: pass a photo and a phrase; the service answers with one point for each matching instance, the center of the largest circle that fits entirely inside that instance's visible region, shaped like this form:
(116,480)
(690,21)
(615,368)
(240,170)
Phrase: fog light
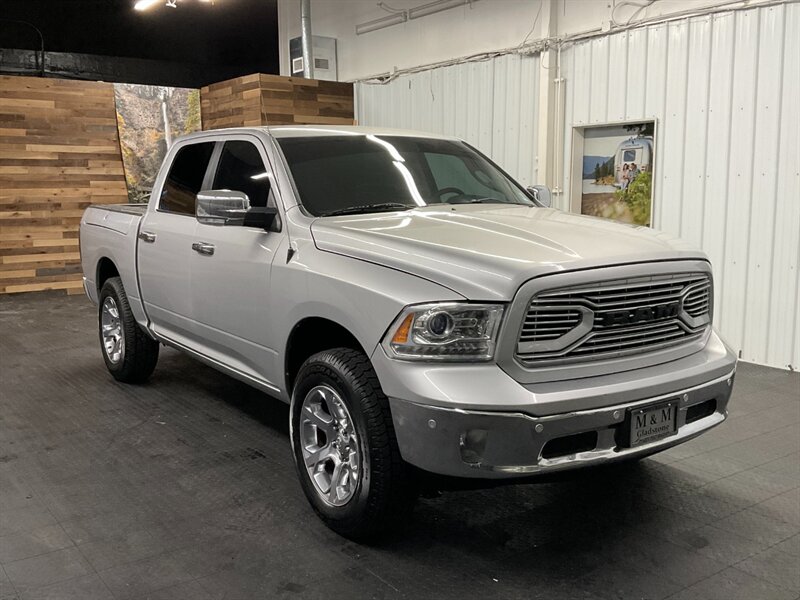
(472,445)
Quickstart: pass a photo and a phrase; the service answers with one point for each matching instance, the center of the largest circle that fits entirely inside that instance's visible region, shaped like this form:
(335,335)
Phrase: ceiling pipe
(306,39)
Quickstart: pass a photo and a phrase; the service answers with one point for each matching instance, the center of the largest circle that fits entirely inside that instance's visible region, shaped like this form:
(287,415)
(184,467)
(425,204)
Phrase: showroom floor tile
(184,488)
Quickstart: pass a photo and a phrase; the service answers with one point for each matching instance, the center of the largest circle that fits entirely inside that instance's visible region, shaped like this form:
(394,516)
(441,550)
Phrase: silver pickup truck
(418,309)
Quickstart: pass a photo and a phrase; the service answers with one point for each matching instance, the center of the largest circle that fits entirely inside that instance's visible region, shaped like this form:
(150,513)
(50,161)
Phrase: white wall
(491,104)
(485,26)
(488,25)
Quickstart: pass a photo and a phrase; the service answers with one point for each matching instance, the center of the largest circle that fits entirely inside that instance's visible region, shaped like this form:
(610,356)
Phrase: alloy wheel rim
(111,331)
(331,454)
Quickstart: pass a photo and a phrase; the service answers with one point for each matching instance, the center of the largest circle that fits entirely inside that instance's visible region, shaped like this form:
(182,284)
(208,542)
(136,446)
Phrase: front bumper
(477,422)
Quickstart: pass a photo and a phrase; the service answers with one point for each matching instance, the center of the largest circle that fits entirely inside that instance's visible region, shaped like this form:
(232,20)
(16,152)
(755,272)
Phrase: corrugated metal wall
(725,91)
(491,104)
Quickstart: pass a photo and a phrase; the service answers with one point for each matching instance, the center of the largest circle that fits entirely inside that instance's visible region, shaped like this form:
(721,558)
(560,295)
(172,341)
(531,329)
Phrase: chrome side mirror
(221,207)
(226,207)
(542,195)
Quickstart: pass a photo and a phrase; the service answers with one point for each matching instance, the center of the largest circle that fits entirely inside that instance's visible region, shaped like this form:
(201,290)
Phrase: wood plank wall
(261,99)
(59,152)
(231,103)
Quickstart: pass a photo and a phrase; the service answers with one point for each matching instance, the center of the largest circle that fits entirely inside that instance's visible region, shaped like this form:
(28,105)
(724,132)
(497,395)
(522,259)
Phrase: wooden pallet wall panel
(59,153)
(231,103)
(262,99)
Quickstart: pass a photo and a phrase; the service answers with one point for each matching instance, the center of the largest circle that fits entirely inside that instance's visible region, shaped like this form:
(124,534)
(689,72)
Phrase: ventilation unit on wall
(324,51)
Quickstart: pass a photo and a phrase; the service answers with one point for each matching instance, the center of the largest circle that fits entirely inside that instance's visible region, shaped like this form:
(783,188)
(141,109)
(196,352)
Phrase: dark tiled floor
(184,489)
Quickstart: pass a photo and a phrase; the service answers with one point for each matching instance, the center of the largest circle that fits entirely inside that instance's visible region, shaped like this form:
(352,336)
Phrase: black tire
(140,352)
(385,490)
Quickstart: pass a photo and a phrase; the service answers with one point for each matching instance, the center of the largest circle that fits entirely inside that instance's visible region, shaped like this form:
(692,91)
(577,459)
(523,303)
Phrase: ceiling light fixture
(435,7)
(404,15)
(381,22)
(145,4)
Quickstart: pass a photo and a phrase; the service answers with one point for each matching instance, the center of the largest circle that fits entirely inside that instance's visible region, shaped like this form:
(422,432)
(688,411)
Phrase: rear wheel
(129,353)
(345,448)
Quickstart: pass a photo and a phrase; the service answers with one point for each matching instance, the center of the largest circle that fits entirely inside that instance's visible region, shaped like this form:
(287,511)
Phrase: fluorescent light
(145,4)
(435,7)
(382,22)
(259,176)
(412,13)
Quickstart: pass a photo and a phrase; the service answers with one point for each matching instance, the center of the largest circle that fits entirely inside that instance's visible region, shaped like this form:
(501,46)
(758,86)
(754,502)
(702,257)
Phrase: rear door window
(185,178)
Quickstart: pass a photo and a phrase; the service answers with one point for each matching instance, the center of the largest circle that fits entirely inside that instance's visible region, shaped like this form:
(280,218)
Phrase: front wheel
(345,448)
(129,353)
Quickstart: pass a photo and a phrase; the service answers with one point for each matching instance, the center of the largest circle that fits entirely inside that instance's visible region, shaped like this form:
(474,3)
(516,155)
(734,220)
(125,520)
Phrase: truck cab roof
(292,131)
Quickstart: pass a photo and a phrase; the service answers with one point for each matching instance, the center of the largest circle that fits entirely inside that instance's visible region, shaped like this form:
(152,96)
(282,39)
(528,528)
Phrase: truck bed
(110,231)
(130,209)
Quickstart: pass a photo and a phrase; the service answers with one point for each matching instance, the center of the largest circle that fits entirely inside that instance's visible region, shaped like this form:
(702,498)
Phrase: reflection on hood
(485,252)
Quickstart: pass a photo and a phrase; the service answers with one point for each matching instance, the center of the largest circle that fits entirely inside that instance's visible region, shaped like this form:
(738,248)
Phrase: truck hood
(485,252)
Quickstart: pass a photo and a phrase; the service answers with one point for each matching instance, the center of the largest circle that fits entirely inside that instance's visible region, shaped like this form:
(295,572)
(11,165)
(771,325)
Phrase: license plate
(652,423)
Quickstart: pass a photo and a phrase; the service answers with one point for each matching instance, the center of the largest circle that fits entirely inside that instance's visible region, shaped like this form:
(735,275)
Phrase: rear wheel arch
(129,352)
(106,269)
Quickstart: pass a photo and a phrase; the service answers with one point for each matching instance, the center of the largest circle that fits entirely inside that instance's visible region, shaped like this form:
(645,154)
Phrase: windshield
(368,173)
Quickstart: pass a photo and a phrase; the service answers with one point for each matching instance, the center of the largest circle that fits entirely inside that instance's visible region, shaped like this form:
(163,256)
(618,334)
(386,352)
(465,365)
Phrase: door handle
(203,248)
(147,236)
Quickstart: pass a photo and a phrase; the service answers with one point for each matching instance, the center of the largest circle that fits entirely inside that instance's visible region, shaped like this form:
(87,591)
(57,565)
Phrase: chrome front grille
(654,335)
(548,323)
(698,300)
(614,318)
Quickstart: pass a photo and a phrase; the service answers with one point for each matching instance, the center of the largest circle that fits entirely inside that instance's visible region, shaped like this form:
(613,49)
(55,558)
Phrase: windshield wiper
(366,208)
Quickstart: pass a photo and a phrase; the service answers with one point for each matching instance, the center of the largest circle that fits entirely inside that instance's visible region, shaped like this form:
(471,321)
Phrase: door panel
(164,273)
(165,241)
(231,287)
(230,291)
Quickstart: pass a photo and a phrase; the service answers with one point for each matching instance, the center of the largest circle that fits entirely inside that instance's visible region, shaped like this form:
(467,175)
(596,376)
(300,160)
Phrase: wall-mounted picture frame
(149,118)
(612,171)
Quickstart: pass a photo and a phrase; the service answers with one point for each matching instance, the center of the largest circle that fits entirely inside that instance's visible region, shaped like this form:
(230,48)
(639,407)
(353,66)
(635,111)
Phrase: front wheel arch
(387,486)
(310,336)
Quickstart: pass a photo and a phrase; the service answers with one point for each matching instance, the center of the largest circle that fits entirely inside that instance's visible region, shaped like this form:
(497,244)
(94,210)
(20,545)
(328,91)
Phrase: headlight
(445,331)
